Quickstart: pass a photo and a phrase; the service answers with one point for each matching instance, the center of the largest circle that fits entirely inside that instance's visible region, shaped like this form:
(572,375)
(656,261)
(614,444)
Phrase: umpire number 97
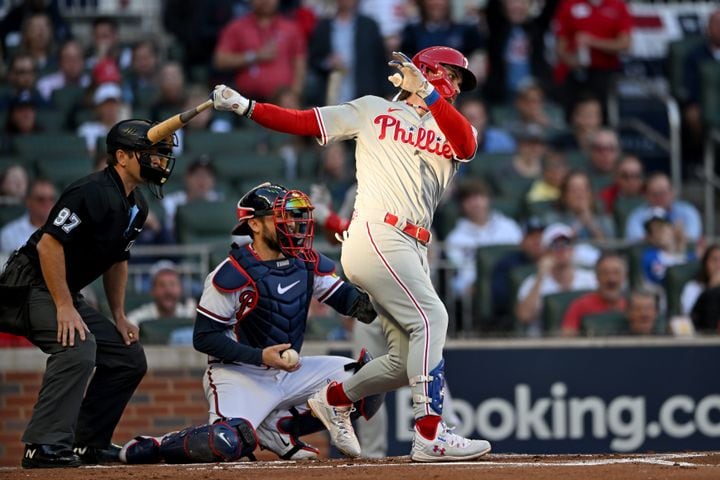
(67,219)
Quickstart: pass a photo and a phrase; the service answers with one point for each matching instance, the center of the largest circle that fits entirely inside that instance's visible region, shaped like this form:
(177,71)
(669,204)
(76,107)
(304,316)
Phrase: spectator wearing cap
(529,253)
(576,207)
(479,226)
(107,100)
(71,71)
(547,187)
(629,182)
(659,194)
(39,201)
(611,273)
(22,115)
(167,293)
(555,273)
(520,171)
(199,185)
(490,139)
(665,248)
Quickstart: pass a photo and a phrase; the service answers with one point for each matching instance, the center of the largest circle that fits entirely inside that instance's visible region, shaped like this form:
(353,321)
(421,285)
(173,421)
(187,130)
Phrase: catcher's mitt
(362,309)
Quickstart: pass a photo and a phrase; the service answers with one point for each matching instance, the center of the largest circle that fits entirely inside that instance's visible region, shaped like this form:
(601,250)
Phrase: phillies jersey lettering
(404,162)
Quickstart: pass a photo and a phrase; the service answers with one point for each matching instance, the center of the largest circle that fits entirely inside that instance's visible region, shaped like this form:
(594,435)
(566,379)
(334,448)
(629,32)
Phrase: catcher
(254,307)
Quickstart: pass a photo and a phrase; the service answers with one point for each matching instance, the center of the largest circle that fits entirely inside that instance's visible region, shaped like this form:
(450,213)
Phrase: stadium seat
(675,279)
(205,222)
(235,168)
(510,206)
(539,209)
(484,164)
(65,169)
(446,216)
(238,142)
(621,211)
(42,146)
(158,332)
(68,98)
(53,120)
(554,307)
(604,324)
(9,212)
(485,260)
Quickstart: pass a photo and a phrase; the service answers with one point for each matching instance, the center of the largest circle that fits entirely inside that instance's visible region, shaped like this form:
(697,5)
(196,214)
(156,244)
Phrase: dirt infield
(675,466)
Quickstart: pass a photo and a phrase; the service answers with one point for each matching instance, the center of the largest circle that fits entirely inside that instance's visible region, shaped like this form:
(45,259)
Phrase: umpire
(89,233)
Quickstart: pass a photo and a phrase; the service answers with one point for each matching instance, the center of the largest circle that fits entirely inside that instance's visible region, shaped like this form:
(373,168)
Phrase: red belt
(420,234)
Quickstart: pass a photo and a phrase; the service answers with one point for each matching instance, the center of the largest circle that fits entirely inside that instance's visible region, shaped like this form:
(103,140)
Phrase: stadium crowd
(555,228)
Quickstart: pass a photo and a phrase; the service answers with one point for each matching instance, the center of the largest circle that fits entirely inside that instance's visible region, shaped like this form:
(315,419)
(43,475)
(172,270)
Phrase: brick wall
(166,400)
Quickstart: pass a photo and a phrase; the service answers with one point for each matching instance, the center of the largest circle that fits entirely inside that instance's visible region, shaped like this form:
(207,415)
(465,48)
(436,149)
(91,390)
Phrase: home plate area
(690,465)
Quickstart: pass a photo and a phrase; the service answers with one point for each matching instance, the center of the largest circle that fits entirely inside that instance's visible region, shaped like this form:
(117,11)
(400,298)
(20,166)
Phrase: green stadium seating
(621,211)
(9,212)
(157,332)
(68,98)
(604,324)
(238,142)
(205,222)
(675,279)
(554,307)
(510,206)
(65,169)
(485,260)
(240,166)
(52,120)
(42,146)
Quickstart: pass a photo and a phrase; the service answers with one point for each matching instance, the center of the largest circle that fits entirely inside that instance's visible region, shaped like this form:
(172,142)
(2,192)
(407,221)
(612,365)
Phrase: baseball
(290,356)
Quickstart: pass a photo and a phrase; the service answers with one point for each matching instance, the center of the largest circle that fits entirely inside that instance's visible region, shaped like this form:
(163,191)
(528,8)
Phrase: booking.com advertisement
(579,400)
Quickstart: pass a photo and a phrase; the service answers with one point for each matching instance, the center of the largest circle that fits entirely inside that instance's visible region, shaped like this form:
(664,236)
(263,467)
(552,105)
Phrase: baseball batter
(407,153)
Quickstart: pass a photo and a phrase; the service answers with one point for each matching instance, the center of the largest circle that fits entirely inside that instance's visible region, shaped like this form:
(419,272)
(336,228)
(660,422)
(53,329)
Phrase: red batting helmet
(429,62)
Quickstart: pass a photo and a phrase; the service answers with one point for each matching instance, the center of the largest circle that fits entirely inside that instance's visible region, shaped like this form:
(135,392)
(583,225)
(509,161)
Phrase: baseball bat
(169,126)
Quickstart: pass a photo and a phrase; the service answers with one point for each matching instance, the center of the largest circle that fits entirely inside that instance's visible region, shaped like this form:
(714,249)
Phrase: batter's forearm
(52,264)
(456,128)
(296,122)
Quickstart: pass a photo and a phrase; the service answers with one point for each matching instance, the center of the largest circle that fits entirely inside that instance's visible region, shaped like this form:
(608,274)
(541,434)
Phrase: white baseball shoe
(446,447)
(285,445)
(337,421)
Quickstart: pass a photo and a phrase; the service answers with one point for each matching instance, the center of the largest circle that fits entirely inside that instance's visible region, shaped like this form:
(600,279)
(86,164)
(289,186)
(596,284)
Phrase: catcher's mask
(292,217)
(131,136)
(430,62)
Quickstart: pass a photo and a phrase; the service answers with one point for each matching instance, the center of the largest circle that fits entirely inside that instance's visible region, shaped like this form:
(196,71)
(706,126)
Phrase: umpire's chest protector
(283,293)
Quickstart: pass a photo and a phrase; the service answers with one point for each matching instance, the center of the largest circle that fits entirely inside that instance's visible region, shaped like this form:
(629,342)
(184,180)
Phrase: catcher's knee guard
(141,450)
(223,441)
(435,388)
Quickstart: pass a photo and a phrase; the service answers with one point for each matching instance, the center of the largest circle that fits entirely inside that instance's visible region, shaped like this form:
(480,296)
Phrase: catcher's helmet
(429,62)
(292,215)
(131,135)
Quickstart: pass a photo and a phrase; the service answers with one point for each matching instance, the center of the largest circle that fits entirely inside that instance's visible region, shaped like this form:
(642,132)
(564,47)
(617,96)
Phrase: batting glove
(228,100)
(409,78)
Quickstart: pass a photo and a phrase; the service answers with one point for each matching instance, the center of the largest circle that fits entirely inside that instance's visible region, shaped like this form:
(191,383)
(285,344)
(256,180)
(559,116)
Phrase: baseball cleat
(446,447)
(285,445)
(337,421)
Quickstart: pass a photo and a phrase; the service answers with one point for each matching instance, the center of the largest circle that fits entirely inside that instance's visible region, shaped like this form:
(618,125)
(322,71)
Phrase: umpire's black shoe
(95,455)
(49,456)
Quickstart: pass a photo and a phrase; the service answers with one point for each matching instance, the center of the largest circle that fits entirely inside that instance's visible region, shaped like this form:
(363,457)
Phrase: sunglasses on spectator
(560,244)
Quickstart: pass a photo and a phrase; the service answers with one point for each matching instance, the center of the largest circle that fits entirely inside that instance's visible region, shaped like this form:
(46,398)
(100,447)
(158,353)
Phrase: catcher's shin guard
(141,450)
(435,388)
(223,441)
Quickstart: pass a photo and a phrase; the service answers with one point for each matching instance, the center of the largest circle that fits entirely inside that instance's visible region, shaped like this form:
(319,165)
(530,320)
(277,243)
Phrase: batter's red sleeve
(336,224)
(455,127)
(296,122)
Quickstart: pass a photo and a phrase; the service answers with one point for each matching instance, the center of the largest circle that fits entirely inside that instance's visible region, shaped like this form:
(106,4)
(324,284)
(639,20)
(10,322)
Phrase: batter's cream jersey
(404,162)
(229,308)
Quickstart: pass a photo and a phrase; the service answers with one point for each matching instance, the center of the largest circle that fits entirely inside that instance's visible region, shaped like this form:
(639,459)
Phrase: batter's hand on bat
(271,357)
(228,100)
(410,78)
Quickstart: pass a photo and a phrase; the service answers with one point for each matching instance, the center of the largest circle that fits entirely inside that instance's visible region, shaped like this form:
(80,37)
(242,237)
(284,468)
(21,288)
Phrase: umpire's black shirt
(96,223)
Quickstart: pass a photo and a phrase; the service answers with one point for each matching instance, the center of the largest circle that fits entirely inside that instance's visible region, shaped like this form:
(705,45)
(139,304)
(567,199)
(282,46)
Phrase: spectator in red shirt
(611,275)
(629,182)
(591,34)
(265,50)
